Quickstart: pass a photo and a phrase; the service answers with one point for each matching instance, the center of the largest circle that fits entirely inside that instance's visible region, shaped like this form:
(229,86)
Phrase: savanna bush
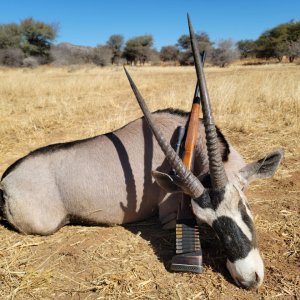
(12,57)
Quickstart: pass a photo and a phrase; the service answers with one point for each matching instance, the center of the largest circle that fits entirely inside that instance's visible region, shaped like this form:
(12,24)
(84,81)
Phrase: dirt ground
(133,261)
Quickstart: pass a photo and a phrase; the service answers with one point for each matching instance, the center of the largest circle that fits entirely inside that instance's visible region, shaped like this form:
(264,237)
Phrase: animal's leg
(35,214)
(168,211)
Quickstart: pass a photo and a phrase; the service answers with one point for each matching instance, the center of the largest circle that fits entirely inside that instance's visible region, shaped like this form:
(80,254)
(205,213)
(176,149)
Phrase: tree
(138,49)
(29,38)
(115,43)
(224,54)
(10,52)
(36,37)
(184,46)
(10,36)
(294,50)
(272,43)
(169,53)
(246,48)
(293,30)
(12,57)
(154,57)
(293,33)
(102,55)
(276,41)
(202,39)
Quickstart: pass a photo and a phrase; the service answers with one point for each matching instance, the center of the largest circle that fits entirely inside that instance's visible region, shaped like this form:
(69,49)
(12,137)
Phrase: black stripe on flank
(235,242)
(45,150)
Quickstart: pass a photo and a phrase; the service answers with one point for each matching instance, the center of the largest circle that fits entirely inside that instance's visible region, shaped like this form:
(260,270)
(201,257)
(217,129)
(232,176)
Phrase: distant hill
(66,53)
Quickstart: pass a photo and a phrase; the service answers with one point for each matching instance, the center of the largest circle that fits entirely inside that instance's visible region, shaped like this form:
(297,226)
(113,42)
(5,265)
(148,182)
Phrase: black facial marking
(235,242)
(211,198)
(248,221)
(204,200)
(205,180)
(216,196)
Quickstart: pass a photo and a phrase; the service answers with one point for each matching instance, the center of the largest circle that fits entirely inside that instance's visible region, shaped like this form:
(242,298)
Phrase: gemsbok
(108,179)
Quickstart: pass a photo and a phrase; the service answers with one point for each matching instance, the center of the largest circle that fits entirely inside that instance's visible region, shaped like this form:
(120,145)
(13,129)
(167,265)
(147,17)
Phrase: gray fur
(103,180)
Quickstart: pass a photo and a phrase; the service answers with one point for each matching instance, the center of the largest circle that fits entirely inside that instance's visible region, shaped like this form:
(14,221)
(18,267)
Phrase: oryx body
(102,180)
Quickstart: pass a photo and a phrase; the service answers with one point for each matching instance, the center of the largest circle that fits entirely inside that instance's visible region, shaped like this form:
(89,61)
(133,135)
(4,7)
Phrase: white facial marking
(244,198)
(248,271)
(206,215)
(229,208)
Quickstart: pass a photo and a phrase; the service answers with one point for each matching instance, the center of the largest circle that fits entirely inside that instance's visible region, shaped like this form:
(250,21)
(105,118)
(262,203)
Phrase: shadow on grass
(163,244)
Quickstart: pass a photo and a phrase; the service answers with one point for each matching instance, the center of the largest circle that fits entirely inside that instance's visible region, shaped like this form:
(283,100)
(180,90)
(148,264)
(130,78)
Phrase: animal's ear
(263,168)
(170,183)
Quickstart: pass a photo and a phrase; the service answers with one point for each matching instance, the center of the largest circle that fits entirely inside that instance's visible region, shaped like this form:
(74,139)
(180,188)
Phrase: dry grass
(257,108)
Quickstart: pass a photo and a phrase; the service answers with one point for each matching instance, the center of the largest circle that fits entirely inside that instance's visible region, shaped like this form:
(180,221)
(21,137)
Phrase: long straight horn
(191,182)
(216,167)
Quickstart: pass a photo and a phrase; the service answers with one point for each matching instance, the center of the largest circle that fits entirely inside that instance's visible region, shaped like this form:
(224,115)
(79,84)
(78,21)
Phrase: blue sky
(92,22)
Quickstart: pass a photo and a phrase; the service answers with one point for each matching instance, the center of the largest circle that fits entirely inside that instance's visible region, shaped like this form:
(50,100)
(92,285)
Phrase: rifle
(188,256)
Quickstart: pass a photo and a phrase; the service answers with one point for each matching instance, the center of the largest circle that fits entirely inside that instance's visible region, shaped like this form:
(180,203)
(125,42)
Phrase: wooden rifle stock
(191,135)
(185,213)
(188,256)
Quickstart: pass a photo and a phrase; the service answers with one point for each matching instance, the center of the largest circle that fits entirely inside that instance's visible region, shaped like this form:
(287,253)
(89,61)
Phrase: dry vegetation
(258,110)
